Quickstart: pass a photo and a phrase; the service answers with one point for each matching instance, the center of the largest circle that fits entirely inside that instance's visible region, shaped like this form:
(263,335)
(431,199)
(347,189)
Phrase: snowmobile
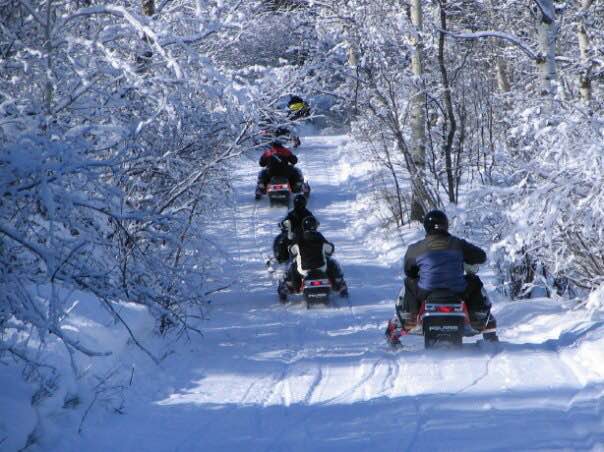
(444,319)
(316,288)
(278,190)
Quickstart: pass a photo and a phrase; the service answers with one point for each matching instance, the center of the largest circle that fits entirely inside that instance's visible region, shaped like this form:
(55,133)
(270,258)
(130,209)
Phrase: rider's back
(277,154)
(295,218)
(438,261)
(312,249)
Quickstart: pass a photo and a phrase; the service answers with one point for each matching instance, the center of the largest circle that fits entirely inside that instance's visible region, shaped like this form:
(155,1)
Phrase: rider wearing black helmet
(438,262)
(311,252)
(291,228)
(293,221)
(278,161)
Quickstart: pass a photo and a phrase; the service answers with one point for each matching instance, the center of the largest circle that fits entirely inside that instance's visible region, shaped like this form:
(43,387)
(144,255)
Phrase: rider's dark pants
(281,247)
(473,296)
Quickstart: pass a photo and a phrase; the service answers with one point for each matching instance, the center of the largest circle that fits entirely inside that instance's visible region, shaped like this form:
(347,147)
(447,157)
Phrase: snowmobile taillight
(278,187)
(442,308)
(317,283)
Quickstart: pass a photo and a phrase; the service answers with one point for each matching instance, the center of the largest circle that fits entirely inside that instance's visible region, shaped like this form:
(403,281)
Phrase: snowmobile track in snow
(280,377)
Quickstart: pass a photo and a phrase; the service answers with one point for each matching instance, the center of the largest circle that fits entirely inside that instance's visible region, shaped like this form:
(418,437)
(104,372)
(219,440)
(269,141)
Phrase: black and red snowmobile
(278,190)
(444,319)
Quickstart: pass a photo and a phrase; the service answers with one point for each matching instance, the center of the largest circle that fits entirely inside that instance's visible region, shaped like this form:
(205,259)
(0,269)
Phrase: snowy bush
(116,125)
(557,214)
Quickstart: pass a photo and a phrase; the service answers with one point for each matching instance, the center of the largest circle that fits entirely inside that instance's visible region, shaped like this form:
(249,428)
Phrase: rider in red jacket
(277,150)
(278,161)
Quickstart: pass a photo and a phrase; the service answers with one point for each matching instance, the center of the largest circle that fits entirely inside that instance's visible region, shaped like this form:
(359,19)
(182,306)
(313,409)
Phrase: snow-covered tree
(116,123)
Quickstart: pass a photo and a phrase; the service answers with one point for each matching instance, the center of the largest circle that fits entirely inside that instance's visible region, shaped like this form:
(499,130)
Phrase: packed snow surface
(273,377)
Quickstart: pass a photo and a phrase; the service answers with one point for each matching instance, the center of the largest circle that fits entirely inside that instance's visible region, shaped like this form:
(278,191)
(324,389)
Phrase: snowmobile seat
(443,296)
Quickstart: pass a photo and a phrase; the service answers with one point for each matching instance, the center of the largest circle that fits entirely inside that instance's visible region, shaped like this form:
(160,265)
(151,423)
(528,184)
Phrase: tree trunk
(503,81)
(546,34)
(351,55)
(148,7)
(399,196)
(501,68)
(583,38)
(48,47)
(418,113)
(450,122)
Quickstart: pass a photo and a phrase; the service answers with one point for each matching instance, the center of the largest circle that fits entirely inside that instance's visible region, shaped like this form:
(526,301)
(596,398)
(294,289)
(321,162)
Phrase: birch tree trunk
(501,69)
(49,49)
(418,114)
(503,81)
(351,55)
(583,38)
(546,35)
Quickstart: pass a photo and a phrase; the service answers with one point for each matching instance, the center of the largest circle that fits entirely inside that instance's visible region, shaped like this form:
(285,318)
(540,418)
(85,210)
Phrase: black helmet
(436,220)
(310,223)
(276,144)
(299,202)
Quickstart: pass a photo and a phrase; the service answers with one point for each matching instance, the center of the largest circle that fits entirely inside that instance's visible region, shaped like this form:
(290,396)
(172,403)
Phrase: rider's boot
(340,286)
(260,190)
(407,320)
(283,290)
(486,323)
(489,333)
(393,332)
(306,189)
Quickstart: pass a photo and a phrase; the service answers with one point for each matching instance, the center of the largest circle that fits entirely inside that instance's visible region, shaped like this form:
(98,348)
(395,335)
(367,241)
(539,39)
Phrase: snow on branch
(181,188)
(30,9)
(17,237)
(498,35)
(137,24)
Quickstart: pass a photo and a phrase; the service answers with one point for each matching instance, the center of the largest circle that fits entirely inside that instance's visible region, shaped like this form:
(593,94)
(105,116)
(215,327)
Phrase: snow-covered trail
(272,377)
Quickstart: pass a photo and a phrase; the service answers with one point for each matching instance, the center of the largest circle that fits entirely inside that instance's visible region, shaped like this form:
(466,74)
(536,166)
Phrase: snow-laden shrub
(595,301)
(555,209)
(115,130)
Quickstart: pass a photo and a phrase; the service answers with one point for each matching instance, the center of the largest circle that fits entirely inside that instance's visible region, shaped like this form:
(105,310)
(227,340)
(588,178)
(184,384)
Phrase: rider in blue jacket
(438,262)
